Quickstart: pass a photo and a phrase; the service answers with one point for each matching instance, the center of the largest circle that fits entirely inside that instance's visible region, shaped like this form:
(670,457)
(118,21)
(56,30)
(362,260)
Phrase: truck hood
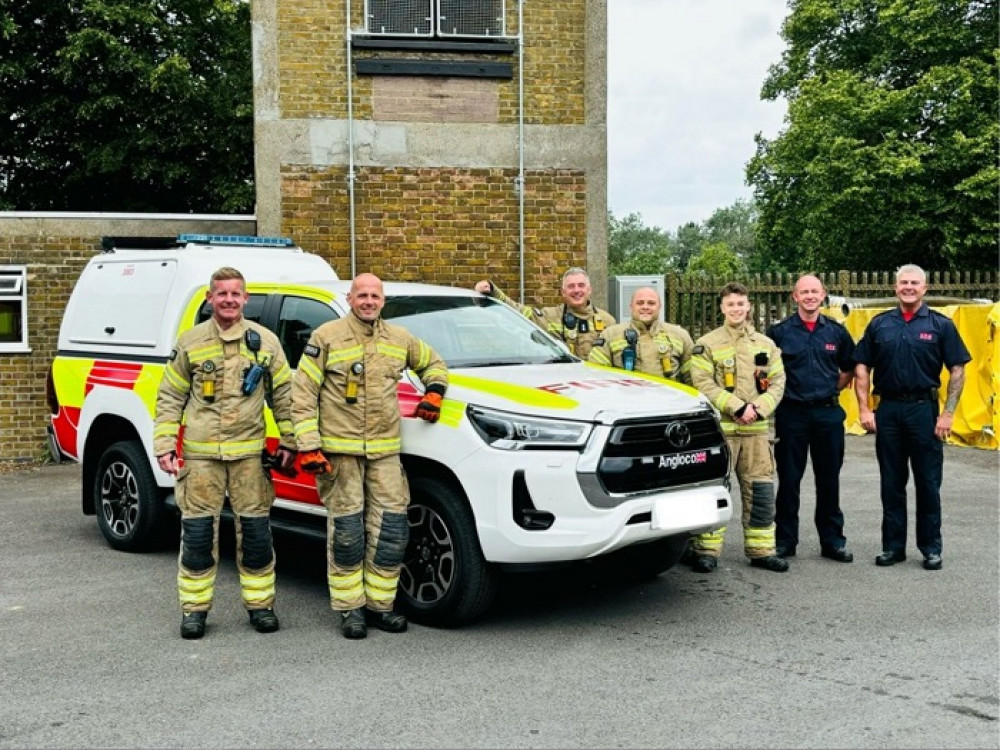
(576,391)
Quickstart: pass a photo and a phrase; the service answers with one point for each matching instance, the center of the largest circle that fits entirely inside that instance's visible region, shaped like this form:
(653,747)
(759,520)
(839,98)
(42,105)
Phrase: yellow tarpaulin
(977,419)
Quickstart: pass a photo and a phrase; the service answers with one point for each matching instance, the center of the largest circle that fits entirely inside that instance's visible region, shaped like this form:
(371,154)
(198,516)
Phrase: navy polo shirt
(814,359)
(907,357)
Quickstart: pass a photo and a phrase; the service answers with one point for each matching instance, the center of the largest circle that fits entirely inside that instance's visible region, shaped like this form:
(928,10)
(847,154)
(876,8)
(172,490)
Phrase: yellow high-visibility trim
(195,591)
(517,393)
(396,352)
(203,353)
(167,429)
(311,371)
(257,589)
(346,589)
(702,364)
(425,356)
(598,356)
(342,355)
(725,352)
(281,376)
(341,445)
(306,425)
(451,413)
(225,448)
(178,381)
(434,374)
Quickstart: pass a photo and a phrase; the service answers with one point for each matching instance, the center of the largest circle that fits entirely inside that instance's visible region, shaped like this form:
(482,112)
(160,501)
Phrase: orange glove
(314,462)
(430,408)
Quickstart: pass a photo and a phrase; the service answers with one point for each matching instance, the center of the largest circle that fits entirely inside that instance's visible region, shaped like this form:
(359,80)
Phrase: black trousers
(904,438)
(803,432)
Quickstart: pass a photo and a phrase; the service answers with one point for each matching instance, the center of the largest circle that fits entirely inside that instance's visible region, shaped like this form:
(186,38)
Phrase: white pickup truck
(538,458)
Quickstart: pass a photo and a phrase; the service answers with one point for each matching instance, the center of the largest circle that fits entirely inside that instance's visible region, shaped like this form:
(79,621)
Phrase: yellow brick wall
(312,62)
(443,226)
(53,263)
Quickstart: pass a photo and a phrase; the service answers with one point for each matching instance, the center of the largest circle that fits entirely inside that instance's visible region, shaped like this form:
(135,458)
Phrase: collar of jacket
(644,327)
(233,333)
(362,329)
(743,329)
(587,311)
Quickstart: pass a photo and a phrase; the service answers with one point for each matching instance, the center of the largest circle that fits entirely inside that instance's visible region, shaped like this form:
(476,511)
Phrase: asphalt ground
(828,655)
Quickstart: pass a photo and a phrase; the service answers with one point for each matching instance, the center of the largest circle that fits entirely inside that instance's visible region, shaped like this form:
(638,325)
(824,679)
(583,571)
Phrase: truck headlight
(515,432)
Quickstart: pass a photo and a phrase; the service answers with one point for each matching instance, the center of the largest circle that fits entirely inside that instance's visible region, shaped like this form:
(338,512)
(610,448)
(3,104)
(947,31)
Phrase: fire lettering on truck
(591,384)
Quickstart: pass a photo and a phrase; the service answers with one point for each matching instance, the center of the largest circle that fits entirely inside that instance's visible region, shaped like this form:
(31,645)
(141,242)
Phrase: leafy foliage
(126,105)
(890,151)
(725,243)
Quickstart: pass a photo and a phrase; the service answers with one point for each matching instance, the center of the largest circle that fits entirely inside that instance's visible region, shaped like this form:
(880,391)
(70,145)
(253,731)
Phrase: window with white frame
(13,309)
(435,18)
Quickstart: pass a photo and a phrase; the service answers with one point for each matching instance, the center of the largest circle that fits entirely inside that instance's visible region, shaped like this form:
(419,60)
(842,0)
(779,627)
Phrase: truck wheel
(126,498)
(445,580)
(643,561)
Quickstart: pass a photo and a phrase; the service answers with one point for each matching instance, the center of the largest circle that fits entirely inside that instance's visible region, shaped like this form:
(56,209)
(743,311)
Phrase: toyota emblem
(678,434)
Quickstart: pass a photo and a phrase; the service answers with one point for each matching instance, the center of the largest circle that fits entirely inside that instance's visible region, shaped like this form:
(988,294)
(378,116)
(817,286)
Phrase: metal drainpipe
(350,141)
(520,142)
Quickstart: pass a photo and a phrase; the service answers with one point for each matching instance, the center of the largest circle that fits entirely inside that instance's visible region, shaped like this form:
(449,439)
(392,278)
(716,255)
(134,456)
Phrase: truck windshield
(474,331)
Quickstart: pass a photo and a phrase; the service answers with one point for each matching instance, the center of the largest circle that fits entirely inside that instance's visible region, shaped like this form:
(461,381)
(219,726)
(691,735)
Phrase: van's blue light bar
(236,239)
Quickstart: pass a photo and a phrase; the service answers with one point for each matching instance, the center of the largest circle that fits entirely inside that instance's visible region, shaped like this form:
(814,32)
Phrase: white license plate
(676,512)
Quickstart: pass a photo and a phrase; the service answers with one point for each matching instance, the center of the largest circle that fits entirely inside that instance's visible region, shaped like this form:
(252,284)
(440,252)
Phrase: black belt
(831,401)
(910,397)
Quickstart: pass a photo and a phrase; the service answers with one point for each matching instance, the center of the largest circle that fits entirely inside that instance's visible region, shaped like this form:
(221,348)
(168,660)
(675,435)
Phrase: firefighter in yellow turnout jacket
(347,424)
(216,383)
(741,373)
(576,321)
(646,344)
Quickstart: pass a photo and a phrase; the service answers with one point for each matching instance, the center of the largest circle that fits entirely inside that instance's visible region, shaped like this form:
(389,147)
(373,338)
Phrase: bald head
(366,297)
(809,294)
(645,304)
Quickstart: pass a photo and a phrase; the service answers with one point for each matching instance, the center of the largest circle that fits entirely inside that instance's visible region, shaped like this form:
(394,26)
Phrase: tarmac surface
(827,655)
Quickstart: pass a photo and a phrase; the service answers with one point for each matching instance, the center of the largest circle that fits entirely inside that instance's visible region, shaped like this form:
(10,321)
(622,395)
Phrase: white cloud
(684,80)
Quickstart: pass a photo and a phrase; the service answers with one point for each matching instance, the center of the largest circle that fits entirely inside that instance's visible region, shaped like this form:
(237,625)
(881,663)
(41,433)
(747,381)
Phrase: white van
(538,458)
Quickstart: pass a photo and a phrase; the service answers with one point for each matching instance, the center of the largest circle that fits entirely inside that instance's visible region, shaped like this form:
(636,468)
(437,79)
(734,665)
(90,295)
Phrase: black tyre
(643,561)
(127,499)
(445,580)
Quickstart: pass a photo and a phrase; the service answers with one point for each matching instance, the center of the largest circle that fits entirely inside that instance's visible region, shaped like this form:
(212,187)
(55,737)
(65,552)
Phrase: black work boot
(771,562)
(390,622)
(352,623)
(704,564)
(193,624)
(263,620)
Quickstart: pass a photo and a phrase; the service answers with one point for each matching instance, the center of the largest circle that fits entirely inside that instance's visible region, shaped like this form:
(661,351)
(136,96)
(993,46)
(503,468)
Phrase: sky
(684,80)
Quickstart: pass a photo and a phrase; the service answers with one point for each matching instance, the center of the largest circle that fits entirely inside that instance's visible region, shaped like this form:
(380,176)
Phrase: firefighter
(907,348)
(741,373)
(347,424)
(576,321)
(818,355)
(219,376)
(646,343)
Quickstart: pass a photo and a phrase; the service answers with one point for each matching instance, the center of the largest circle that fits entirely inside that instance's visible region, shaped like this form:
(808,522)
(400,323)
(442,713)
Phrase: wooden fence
(693,302)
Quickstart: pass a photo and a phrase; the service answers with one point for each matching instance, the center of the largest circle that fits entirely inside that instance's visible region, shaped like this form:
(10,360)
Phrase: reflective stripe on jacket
(219,421)
(732,351)
(344,396)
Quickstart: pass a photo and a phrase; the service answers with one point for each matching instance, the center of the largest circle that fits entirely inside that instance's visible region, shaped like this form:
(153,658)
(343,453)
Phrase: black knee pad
(197,539)
(257,547)
(348,540)
(762,512)
(392,538)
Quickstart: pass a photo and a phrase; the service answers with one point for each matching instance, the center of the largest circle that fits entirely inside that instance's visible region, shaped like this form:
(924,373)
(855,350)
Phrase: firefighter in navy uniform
(576,321)
(818,356)
(347,424)
(741,373)
(646,343)
(217,381)
(907,347)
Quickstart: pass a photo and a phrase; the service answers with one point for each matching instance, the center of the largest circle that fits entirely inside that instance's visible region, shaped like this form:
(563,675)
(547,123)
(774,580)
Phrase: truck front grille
(649,455)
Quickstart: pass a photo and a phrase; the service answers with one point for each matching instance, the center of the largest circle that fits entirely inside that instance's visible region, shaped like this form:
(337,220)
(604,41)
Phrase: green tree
(126,105)
(636,249)
(717,259)
(890,151)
